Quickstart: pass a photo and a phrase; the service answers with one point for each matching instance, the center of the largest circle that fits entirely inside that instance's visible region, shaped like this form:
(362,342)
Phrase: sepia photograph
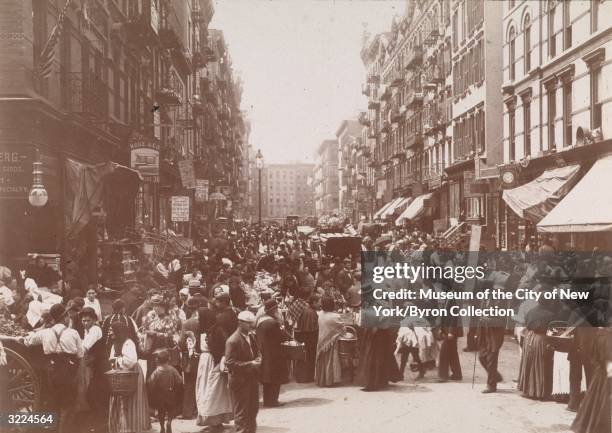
(289,216)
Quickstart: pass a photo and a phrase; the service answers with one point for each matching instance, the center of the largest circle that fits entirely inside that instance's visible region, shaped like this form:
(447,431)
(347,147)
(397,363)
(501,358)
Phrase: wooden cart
(22,378)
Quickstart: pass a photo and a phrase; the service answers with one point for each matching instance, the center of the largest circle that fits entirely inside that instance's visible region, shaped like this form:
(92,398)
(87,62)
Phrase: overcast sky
(301,67)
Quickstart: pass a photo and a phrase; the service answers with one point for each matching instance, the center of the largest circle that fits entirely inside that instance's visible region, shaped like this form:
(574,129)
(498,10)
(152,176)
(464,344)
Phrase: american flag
(45,61)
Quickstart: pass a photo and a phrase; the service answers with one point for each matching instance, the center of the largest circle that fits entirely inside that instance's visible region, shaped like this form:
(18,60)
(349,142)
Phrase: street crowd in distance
(264,306)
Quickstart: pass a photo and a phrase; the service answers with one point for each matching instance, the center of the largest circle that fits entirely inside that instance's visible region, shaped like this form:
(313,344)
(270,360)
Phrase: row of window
(466,19)
(469,134)
(469,70)
(551,96)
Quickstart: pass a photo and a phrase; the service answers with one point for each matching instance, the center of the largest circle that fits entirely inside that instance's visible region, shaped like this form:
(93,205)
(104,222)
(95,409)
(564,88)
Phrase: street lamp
(38,196)
(259,163)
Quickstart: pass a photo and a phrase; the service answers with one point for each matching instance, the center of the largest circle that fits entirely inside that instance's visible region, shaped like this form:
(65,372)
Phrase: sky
(301,67)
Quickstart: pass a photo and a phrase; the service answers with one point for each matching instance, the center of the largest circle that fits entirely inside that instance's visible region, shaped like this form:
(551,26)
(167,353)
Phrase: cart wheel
(23,389)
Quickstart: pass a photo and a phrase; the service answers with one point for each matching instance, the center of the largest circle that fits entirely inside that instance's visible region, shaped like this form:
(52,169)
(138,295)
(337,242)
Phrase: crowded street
(241,216)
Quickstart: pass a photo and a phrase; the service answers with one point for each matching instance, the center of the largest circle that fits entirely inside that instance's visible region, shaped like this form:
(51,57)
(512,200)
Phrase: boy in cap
(165,388)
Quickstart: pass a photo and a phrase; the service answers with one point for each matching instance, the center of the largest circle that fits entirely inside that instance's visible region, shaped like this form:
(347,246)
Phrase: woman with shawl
(212,392)
(536,368)
(328,370)
(131,415)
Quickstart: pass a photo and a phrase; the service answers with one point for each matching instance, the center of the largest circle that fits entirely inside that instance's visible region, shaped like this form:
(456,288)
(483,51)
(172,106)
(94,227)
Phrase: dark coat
(450,324)
(274,364)
(237,357)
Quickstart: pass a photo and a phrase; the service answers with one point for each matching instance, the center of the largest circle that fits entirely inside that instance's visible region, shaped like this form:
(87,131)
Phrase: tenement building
(556,119)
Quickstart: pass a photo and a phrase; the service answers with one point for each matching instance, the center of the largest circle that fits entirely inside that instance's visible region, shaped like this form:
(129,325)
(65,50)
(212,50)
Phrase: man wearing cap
(274,366)
(242,360)
(63,349)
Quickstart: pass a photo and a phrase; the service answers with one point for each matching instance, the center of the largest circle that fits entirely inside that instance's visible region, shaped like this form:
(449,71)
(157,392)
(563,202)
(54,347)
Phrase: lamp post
(259,163)
(38,196)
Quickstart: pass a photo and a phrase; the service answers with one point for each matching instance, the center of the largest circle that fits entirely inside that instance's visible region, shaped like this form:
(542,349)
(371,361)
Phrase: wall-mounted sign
(15,170)
(144,156)
(201,192)
(180,208)
(187,173)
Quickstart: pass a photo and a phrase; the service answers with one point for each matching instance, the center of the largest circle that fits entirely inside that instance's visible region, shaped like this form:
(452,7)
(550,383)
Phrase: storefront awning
(415,210)
(534,200)
(395,206)
(587,207)
(380,211)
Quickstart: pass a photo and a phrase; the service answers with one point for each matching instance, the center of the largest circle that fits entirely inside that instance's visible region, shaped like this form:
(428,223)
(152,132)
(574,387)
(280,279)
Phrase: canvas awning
(380,211)
(415,210)
(587,207)
(395,206)
(534,200)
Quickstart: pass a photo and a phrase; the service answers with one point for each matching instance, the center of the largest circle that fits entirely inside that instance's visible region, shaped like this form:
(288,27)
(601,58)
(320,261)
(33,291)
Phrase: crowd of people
(202,332)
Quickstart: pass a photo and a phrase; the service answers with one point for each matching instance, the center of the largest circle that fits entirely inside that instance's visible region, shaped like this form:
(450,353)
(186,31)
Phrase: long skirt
(84,375)
(212,393)
(377,364)
(304,370)
(328,369)
(594,413)
(536,369)
(130,414)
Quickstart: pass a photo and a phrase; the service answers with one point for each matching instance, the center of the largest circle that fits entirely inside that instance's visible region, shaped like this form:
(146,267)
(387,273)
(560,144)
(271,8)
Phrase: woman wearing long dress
(212,392)
(536,368)
(132,414)
(328,369)
(377,363)
(594,413)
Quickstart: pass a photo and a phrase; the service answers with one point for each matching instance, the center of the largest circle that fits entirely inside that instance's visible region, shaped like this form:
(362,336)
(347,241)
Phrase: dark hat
(88,312)
(57,312)
(270,305)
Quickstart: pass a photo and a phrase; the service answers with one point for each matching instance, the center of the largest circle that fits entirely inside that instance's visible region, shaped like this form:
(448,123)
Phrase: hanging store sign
(187,173)
(201,190)
(15,170)
(144,156)
(180,208)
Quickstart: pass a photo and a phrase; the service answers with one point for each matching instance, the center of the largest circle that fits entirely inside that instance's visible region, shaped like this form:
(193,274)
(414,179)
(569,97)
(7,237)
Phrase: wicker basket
(294,353)
(122,382)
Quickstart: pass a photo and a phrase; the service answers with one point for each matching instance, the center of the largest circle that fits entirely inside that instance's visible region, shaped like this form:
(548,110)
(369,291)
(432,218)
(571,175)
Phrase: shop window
(474,207)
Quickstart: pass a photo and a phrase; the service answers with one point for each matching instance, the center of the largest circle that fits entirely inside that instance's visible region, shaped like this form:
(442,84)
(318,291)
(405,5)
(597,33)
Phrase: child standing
(165,389)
